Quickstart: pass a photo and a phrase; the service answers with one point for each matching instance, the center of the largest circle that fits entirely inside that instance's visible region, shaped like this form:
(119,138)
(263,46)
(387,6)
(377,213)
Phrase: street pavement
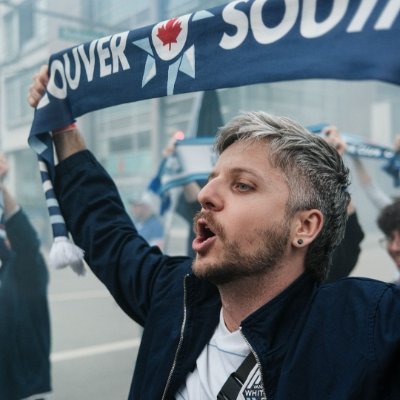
(94,344)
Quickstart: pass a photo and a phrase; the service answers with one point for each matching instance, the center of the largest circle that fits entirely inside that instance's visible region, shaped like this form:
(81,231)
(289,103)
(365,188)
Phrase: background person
(207,121)
(187,204)
(147,222)
(347,253)
(373,192)
(24,313)
(389,223)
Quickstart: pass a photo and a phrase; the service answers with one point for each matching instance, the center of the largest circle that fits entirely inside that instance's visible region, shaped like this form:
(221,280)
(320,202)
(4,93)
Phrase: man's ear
(307,226)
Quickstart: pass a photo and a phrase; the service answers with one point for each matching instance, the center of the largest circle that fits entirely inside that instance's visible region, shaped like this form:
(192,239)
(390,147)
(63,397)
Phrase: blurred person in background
(187,204)
(389,223)
(346,254)
(24,312)
(147,222)
(207,121)
(374,193)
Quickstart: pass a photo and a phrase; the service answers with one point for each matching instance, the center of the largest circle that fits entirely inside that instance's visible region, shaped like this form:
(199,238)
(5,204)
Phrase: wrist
(68,142)
(67,128)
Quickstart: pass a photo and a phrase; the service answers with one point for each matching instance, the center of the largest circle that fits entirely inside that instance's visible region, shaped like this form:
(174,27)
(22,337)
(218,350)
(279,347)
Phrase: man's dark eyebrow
(240,170)
(237,171)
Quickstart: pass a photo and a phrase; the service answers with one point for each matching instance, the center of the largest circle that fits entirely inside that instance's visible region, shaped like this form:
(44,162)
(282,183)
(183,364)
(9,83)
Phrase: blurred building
(128,139)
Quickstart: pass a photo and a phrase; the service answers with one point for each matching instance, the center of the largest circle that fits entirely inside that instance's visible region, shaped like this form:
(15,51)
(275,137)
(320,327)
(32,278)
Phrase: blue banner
(240,43)
(358,146)
(192,160)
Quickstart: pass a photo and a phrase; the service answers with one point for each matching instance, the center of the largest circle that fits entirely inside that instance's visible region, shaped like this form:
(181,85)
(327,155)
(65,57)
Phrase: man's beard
(236,263)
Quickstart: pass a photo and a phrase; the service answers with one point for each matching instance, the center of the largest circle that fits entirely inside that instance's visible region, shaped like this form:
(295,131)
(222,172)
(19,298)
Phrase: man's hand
(38,88)
(332,136)
(67,140)
(171,145)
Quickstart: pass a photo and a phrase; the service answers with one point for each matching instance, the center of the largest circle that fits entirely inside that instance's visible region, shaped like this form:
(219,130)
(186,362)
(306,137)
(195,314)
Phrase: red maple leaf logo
(169,32)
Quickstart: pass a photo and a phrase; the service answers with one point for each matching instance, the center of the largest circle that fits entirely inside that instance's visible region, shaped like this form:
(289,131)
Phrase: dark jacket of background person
(346,255)
(187,210)
(332,341)
(24,314)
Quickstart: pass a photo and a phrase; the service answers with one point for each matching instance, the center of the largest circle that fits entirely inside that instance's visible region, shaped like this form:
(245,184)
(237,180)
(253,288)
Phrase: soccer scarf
(240,43)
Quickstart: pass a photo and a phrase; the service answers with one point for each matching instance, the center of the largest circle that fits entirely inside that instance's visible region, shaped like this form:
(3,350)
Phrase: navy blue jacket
(334,341)
(346,255)
(24,315)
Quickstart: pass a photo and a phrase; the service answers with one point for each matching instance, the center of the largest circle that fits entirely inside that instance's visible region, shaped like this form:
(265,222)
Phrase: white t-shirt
(220,357)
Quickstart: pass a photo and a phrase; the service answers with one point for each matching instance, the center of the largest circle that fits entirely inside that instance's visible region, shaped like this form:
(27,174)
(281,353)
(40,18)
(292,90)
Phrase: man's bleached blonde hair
(315,173)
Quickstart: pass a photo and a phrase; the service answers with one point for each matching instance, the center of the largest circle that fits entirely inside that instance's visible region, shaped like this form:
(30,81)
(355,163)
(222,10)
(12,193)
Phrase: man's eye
(242,187)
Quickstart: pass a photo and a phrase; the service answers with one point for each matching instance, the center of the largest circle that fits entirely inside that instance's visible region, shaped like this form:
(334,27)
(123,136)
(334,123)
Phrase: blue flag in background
(192,160)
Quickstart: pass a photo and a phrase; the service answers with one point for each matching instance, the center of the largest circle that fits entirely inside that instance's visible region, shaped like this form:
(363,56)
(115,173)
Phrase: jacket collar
(270,327)
(273,323)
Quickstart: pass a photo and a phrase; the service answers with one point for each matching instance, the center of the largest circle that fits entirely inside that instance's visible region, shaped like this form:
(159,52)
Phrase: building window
(143,140)
(40,20)
(112,12)
(24,25)
(26,22)
(176,8)
(121,144)
(130,155)
(9,46)
(17,110)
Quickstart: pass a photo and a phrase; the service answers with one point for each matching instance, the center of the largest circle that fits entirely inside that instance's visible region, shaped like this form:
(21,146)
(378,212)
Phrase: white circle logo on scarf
(169,37)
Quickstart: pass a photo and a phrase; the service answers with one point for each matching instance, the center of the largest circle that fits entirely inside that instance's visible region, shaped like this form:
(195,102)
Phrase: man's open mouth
(203,230)
(205,236)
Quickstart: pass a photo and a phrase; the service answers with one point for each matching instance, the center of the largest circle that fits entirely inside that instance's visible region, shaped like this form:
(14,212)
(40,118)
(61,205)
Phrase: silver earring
(300,241)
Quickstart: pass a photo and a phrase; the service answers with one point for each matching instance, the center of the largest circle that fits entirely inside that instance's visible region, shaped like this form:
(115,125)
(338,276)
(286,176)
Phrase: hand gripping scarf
(243,42)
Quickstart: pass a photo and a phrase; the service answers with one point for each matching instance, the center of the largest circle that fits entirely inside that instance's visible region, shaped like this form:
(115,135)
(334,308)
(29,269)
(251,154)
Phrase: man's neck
(242,298)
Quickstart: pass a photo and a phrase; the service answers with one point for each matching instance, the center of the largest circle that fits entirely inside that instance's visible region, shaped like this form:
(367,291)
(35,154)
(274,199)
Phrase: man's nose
(210,196)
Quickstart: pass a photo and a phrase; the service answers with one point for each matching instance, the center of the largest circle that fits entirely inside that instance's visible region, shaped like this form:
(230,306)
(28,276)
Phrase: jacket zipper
(257,361)
(180,339)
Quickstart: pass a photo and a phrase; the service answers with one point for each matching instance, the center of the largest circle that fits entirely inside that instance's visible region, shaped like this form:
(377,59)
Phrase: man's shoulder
(356,281)
(353,286)
(355,292)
